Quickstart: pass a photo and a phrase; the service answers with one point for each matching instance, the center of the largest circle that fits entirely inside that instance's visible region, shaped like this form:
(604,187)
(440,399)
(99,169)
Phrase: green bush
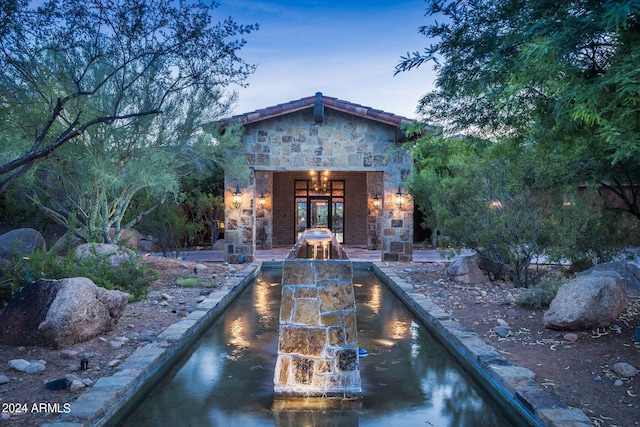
(540,297)
(130,276)
(171,229)
(194,282)
(6,283)
(511,204)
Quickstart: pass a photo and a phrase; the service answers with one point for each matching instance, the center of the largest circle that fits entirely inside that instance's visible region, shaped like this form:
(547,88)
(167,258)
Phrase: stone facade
(342,139)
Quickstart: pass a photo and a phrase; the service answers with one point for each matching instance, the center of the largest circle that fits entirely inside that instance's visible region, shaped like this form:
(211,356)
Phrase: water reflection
(375,297)
(227,380)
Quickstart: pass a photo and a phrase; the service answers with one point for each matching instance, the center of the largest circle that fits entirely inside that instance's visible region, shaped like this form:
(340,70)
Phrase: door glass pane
(301,188)
(337,219)
(301,216)
(319,214)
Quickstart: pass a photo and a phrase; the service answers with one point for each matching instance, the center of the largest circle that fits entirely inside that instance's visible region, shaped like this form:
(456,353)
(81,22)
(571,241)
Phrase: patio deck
(355,253)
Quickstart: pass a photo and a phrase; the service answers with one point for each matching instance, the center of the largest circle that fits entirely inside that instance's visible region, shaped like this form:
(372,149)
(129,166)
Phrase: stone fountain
(318,341)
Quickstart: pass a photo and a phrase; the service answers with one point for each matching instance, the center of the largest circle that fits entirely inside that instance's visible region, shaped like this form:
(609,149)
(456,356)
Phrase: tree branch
(31,156)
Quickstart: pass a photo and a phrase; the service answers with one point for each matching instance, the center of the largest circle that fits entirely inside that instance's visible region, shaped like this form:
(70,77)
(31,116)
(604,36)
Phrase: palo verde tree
(561,76)
(72,68)
(91,186)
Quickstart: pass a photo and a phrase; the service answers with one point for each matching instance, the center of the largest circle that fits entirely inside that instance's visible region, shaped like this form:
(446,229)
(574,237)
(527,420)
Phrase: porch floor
(355,253)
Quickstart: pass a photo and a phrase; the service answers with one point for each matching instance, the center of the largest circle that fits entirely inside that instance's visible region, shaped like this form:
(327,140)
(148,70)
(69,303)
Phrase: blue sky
(345,49)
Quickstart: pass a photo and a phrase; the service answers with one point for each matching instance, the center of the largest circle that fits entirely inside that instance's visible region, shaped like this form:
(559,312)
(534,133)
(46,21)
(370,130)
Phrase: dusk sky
(343,48)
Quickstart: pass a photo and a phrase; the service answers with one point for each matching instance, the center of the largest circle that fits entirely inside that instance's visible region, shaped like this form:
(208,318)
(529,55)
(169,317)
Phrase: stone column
(239,229)
(375,188)
(397,225)
(264,213)
(318,339)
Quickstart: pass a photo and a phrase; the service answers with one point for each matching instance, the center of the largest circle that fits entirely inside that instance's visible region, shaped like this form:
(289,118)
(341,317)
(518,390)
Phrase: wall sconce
(399,199)
(237,197)
(376,201)
(261,200)
(495,204)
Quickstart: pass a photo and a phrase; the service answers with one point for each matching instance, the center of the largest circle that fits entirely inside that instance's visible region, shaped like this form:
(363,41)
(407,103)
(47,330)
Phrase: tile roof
(329,102)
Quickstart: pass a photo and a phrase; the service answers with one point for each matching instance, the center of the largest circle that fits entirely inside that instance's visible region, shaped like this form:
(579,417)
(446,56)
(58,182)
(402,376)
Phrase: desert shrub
(585,234)
(6,283)
(194,282)
(130,276)
(511,204)
(40,265)
(170,229)
(540,297)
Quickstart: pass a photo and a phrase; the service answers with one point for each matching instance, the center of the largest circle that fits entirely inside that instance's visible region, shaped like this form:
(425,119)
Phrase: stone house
(320,162)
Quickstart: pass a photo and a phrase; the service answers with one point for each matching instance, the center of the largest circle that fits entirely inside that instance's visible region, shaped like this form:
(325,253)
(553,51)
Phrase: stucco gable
(326,102)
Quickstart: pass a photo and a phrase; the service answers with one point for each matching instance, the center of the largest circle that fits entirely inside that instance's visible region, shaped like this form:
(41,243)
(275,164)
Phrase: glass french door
(320,211)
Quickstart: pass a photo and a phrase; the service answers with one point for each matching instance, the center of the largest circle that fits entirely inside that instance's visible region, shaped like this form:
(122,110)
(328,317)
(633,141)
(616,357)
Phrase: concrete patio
(356,253)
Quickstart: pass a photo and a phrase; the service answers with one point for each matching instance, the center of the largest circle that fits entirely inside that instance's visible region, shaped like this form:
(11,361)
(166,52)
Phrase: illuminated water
(227,378)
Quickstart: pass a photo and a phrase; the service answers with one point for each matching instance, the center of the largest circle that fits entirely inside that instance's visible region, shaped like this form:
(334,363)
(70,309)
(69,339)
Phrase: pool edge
(108,401)
(513,384)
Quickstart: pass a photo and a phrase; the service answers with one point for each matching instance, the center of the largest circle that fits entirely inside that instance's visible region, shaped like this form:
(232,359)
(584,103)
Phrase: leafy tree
(204,199)
(562,76)
(70,66)
(507,204)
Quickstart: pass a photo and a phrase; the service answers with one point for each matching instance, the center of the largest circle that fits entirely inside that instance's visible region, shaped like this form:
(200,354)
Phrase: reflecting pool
(226,379)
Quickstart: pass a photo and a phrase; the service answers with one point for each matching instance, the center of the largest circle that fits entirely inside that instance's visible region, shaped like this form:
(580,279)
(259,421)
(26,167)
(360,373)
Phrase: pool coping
(514,384)
(109,399)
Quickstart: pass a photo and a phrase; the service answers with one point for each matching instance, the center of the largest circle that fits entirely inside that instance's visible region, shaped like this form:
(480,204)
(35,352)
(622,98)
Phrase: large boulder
(466,270)
(58,313)
(116,255)
(627,269)
(218,245)
(129,238)
(589,301)
(69,241)
(21,242)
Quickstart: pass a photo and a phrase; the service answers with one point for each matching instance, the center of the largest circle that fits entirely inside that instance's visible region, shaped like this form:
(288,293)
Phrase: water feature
(318,335)
(226,379)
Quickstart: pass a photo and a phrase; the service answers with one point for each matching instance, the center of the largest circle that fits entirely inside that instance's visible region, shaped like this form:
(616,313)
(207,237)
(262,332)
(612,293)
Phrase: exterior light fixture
(261,200)
(376,201)
(399,199)
(495,204)
(237,197)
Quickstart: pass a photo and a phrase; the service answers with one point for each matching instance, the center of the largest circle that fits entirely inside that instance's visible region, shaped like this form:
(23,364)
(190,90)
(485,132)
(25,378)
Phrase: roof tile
(308,102)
